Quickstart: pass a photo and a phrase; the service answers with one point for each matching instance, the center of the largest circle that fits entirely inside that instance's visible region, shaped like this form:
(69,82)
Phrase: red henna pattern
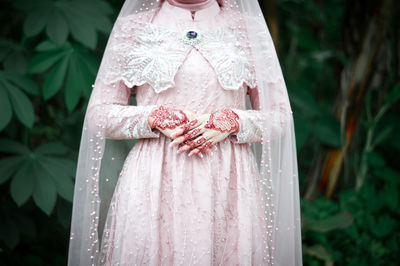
(201,141)
(165,117)
(207,145)
(192,134)
(224,121)
(192,144)
(193,122)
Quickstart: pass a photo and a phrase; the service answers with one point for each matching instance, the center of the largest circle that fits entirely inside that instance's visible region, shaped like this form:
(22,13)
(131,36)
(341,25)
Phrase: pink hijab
(193,5)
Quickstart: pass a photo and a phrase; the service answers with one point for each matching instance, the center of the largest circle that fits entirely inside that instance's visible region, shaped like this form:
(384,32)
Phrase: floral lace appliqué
(150,53)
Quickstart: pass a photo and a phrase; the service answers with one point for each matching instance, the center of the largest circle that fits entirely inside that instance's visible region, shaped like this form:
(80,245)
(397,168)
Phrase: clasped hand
(195,134)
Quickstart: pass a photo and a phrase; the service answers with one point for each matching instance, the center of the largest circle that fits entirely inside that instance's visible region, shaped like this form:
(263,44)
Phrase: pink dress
(168,208)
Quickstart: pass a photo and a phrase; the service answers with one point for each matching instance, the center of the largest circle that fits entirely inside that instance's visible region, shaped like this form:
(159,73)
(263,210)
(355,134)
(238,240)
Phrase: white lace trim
(150,53)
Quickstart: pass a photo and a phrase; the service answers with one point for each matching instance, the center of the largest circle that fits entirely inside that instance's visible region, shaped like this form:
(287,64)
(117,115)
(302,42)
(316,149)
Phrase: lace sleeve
(253,121)
(109,102)
(119,119)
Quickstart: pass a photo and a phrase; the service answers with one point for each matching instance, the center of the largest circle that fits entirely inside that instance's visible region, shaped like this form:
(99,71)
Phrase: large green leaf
(73,85)
(13,98)
(5,108)
(44,193)
(55,79)
(44,61)
(57,28)
(63,182)
(22,106)
(41,174)
(8,166)
(23,82)
(65,165)
(11,146)
(73,67)
(81,30)
(51,148)
(80,18)
(37,18)
(22,184)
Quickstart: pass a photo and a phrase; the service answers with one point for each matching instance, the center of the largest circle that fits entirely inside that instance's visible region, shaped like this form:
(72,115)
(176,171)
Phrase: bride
(212,176)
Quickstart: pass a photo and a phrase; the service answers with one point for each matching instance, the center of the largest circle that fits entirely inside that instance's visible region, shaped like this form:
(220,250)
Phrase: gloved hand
(206,130)
(169,121)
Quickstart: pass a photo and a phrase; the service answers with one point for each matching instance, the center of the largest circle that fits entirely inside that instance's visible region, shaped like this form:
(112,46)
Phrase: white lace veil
(100,159)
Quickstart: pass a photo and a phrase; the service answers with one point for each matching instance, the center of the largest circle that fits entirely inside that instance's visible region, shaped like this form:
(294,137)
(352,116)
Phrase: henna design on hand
(207,145)
(165,117)
(191,134)
(224,121)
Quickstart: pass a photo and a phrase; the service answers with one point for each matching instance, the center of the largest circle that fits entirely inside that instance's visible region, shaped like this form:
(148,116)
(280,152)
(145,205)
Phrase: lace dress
(168,208)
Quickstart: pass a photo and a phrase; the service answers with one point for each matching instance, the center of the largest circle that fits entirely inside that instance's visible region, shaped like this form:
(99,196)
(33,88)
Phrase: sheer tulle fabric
(238,211)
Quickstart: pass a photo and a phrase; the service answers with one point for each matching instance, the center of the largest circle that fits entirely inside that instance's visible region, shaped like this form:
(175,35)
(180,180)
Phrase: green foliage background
(50,51)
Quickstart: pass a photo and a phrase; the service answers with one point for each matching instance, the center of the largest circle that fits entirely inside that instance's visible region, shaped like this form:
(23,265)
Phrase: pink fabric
(170,209)
(192,5)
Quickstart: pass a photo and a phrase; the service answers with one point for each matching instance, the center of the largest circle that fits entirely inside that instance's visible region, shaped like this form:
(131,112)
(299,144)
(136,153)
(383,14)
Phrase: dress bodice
(197,64)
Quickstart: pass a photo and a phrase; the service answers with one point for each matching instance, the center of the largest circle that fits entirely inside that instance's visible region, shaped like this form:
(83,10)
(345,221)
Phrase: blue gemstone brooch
(191,37)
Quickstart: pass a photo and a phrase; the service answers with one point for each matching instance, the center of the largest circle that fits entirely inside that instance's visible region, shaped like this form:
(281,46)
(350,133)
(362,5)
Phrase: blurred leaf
(302,128)
(62,181)
(306,40)
(327,130)
(22,184)
(8,166)
(80,18)
(51,148)
(5,108)
(13,55)
(40,173)
(11,146)
(11,84)
(22,106)
(71,64)
(55,79)
(45,60)
(383,135)
(57,28)
(44,193)
(304,100)
(338,221)
(375,159)
(81,30)
(23,82)
(394,94)
(65,165)
(390,195)
(383,226)
(73,85)
(388,174)
(319,252)
(45,46)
